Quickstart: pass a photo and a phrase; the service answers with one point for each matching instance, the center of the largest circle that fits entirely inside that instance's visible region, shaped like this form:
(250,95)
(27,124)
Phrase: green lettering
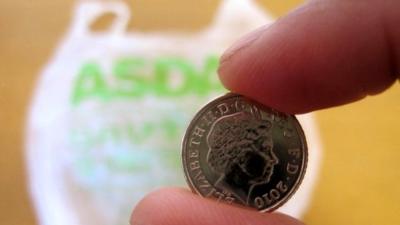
(130,82)
(88,84)
(135,78)
(208,78)
(140,134)
(168,85)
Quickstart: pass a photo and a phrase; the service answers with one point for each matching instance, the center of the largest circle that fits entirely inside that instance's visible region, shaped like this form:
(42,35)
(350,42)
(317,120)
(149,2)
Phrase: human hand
(324,54)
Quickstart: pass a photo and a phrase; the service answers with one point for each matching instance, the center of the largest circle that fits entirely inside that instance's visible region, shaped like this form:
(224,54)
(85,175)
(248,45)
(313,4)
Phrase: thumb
(174,206)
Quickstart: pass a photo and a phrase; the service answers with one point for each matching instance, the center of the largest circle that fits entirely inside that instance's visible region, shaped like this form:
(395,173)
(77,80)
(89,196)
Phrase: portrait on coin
(240,152)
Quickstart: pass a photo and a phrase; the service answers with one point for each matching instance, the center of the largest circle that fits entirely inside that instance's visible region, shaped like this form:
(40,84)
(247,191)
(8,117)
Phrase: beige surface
(359,181)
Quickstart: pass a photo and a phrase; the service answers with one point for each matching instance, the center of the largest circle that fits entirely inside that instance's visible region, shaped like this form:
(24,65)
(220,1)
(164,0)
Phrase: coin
(236,150)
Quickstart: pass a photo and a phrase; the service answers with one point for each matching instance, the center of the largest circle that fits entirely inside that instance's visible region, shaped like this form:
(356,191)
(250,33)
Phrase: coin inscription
(238,151)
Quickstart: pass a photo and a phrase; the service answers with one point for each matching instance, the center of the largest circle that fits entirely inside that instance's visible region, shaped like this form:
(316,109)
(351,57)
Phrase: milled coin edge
(297,124)
(189,128)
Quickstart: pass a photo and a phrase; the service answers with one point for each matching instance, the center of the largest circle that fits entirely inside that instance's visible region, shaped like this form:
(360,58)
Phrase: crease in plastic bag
(110,109)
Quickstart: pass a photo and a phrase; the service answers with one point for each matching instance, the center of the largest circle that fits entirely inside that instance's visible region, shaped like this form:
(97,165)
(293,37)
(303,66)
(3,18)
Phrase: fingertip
(156,207)
(176,206)
(302,63)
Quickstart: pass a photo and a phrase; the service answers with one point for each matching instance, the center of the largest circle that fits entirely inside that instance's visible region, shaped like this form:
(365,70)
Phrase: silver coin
(236,150)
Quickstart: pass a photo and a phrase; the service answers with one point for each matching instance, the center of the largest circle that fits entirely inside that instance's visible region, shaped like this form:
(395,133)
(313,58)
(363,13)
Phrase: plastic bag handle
(232,12)
(86,12)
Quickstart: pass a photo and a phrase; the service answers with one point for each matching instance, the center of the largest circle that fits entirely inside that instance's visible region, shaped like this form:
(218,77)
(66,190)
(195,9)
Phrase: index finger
(324,54)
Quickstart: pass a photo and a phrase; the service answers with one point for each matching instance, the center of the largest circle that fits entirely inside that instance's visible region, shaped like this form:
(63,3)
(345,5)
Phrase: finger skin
(175,206)
(325,53)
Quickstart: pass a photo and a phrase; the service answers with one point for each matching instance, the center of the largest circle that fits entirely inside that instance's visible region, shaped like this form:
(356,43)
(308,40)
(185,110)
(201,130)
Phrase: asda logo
(135,77)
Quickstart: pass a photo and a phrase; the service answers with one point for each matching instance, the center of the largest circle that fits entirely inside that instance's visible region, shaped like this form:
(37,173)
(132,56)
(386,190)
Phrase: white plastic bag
(110,110)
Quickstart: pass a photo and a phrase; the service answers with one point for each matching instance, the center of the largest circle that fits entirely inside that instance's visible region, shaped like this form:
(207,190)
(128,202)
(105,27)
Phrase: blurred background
(359,180)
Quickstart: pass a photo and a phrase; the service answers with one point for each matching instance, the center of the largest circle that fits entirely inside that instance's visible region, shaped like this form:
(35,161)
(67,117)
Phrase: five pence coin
(238,151)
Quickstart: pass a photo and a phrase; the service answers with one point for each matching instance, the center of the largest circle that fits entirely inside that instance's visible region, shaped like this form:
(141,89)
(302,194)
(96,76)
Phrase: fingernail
(242,43)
